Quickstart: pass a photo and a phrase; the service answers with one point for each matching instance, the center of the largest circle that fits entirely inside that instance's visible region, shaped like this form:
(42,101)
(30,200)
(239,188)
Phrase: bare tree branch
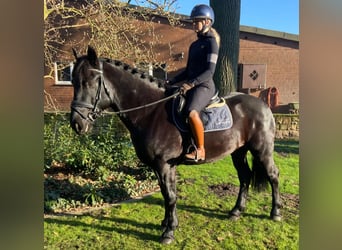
(109,26)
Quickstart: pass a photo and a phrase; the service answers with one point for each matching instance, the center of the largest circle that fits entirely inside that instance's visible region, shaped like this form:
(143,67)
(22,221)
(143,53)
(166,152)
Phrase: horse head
(89,99)
(100,83)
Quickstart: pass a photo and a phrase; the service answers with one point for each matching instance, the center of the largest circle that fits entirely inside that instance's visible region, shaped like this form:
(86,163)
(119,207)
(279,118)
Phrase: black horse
(103,83)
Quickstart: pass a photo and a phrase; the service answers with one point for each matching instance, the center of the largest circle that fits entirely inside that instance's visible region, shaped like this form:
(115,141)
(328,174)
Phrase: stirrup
(193,156)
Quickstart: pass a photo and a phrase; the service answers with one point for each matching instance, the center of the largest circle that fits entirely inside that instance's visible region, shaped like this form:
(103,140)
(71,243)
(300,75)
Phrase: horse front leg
(167,182)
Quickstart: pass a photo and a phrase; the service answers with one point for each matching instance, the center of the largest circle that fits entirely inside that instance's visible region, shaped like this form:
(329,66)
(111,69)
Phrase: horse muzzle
(79,124)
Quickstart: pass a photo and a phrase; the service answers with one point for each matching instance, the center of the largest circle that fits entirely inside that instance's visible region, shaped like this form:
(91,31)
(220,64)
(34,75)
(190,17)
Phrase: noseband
(95,111)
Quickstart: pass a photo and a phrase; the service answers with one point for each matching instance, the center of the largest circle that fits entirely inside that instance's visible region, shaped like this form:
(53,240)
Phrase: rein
(146,105)
(95,112)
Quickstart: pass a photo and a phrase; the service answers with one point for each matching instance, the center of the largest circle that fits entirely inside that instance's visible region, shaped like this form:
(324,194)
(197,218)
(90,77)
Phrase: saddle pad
(218,118)
(214,119)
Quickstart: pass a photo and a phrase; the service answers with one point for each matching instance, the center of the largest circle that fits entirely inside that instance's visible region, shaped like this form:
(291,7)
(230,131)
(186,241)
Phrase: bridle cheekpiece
(95,111)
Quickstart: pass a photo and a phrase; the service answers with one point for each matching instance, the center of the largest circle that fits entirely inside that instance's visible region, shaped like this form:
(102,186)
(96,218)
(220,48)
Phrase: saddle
(215,116)
(215,101)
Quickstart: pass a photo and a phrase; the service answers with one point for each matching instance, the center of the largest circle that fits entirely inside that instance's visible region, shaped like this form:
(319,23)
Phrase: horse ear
(75,53)
(92,57)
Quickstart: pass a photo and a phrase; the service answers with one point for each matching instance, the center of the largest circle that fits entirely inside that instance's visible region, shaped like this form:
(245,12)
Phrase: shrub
(106,148)
(102,166)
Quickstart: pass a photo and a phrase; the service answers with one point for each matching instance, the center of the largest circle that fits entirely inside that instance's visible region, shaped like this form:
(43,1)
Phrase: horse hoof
(166,240)
(234,217)
(167,237)
(276,218)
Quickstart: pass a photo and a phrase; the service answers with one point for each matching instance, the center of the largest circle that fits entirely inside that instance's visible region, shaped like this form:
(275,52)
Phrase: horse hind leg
(265,171)
(244,173)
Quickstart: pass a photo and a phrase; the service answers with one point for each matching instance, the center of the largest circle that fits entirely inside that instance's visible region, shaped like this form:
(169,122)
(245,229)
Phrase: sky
(277,15)
(267,14)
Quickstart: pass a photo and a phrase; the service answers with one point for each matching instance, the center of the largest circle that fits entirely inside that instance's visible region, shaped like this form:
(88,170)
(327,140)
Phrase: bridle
(96,112)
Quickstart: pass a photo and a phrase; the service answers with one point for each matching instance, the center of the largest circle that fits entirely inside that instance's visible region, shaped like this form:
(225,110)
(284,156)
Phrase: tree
(227,24)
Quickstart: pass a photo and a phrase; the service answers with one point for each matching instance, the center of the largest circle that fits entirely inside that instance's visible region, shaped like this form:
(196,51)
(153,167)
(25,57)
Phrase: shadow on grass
(123,223)
(207,212)
(286,146)
(125,226)
(213,213)
(150,231)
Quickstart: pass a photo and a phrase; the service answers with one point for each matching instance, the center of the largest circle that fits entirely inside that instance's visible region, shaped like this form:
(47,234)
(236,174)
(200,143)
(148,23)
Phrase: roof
(271,33)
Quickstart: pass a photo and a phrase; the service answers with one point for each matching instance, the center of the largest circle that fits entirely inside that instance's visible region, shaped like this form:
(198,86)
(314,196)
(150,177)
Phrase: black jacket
(201,63)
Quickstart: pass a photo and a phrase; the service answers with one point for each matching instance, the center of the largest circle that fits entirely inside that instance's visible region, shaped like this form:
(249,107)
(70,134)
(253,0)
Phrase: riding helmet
(203,11)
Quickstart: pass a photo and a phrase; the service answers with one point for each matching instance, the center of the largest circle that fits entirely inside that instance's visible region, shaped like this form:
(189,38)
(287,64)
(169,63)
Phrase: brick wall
(57,96)
(281,57)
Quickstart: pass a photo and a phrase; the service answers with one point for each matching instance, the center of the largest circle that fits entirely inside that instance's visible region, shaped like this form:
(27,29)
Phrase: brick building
(269,60)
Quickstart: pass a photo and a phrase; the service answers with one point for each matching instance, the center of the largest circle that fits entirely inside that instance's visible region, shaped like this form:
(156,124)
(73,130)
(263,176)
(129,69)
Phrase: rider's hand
(185,87)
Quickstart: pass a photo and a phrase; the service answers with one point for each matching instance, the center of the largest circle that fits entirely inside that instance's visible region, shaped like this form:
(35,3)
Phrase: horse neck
(133,89)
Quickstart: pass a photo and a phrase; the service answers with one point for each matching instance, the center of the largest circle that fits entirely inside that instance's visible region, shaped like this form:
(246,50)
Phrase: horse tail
(259,175)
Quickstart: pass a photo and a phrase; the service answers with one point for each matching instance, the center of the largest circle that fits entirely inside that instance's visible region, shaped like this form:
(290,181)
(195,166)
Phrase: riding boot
(197,130)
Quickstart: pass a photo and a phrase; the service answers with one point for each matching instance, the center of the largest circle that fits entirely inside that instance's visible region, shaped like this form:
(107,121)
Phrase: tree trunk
(227,24)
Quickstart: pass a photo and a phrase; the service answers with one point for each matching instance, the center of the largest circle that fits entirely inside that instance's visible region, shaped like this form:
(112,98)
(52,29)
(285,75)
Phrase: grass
(202,213)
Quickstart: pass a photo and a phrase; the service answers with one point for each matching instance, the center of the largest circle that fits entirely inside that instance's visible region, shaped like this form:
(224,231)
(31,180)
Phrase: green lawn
(202,213)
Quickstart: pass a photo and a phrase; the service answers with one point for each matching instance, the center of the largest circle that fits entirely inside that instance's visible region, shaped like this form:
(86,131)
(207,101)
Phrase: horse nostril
(78,127)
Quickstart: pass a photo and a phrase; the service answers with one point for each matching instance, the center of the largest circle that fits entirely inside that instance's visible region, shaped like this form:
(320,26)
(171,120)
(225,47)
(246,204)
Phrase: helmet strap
(206,27)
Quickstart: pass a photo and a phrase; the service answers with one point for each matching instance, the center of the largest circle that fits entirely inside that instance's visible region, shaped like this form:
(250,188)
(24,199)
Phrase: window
(63,73)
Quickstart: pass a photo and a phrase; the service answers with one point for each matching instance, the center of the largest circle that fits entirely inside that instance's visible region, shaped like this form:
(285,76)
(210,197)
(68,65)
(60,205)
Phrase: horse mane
(137,73)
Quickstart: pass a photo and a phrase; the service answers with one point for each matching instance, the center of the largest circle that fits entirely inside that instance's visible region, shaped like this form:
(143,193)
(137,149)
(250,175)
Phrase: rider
(198,74)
